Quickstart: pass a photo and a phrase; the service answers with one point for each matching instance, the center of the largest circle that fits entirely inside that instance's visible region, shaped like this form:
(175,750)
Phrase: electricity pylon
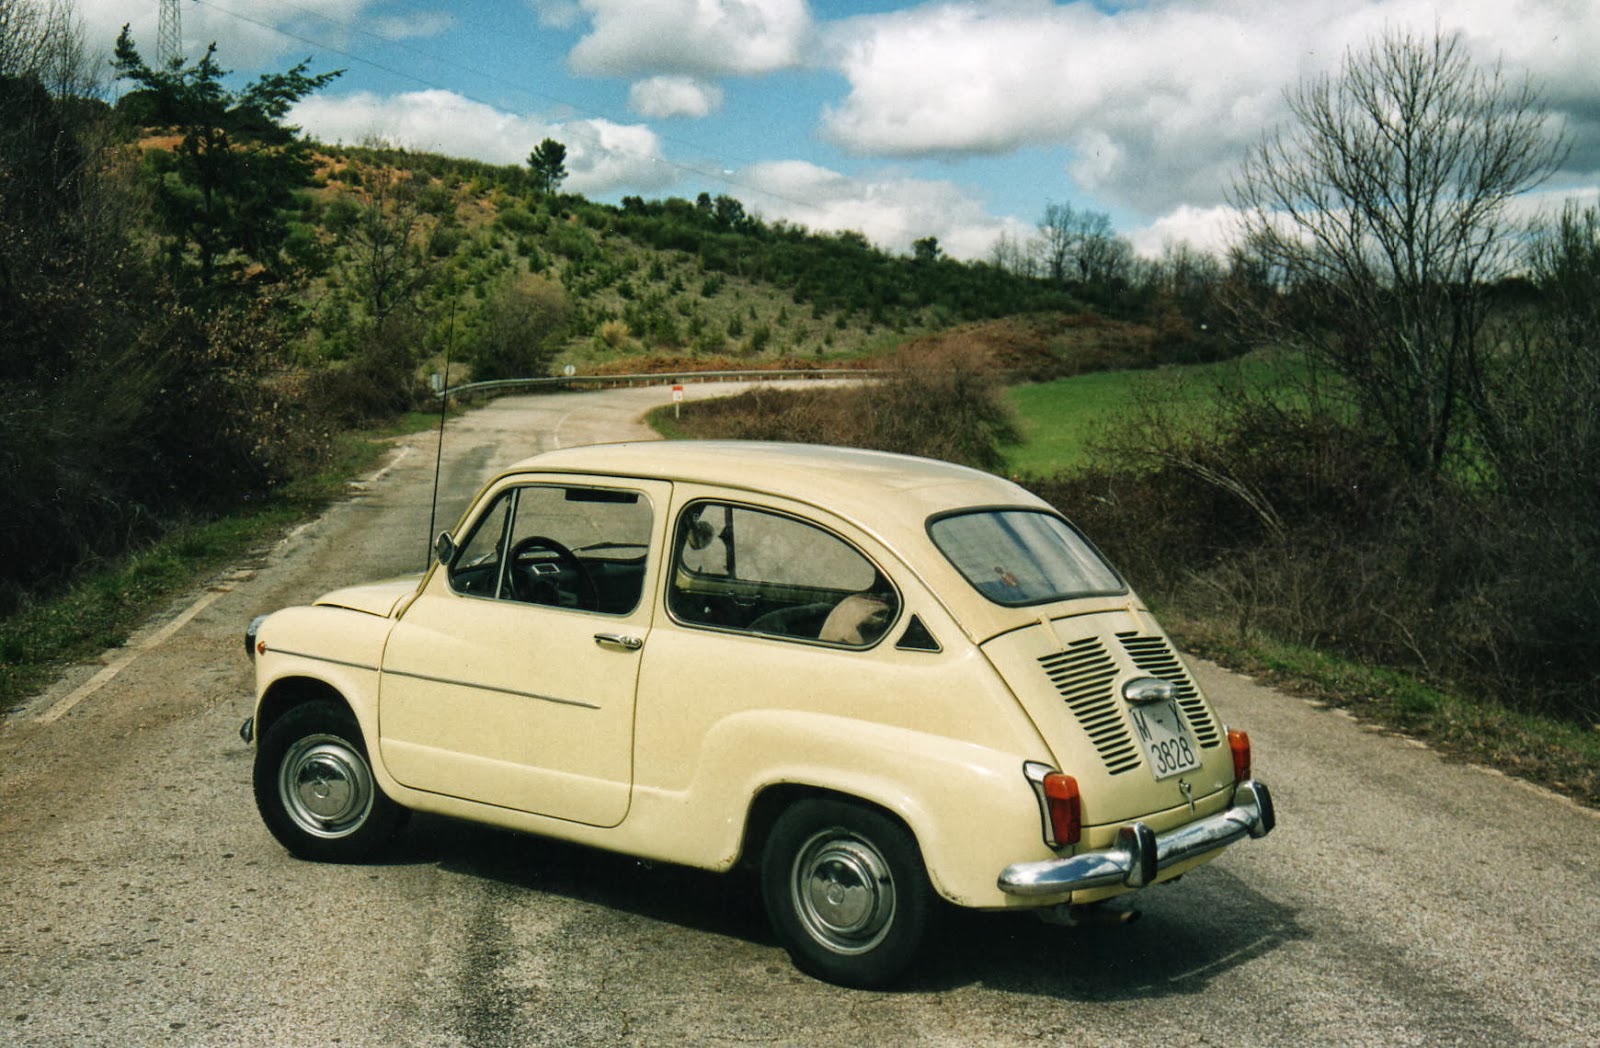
(169,34)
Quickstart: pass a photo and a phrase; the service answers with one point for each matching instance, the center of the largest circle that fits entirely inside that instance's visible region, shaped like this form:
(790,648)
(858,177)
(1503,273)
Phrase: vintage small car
(885,682)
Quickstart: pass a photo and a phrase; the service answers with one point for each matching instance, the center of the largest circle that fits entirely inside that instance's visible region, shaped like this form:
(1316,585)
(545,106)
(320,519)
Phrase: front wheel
(315,789)
(846,891)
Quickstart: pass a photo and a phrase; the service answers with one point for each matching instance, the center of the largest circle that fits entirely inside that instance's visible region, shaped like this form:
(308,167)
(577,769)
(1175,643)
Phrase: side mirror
(700,534)
(444,548)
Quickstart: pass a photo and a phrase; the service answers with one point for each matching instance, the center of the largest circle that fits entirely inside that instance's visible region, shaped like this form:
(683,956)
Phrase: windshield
(1017,557)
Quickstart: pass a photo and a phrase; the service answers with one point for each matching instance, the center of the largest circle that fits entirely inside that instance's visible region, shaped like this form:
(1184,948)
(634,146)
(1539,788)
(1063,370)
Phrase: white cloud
(602,156)
(661,97)
(1151,100)
(890,211)
(1158,101)
(557,14)
(1155,101)
(1209,229)
(419,25)
(432,121)
(692,37)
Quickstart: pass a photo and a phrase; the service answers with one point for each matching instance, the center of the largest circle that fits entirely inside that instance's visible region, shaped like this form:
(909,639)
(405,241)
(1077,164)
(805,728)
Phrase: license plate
(1169,746)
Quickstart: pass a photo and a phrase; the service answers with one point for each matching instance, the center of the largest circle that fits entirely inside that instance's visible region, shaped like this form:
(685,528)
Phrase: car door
(510,679)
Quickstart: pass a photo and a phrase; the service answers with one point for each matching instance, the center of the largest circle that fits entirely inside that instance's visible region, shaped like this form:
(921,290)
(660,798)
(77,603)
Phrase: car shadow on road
(696,899)
(1189,933)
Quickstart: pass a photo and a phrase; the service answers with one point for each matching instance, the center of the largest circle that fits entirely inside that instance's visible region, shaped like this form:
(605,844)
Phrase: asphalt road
(1404,899)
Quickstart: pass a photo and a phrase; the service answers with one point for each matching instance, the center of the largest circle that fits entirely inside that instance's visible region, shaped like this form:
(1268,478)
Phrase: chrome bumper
(1140,854)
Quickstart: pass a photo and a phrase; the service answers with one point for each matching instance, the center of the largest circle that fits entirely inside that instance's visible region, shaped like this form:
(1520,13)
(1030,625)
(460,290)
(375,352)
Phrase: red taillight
(1239,743)
(1064,807)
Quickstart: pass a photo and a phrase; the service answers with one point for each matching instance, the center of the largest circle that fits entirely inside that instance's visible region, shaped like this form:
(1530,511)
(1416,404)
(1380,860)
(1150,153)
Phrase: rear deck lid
(1130,758)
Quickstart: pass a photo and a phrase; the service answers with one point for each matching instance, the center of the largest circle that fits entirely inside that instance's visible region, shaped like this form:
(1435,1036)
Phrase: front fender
(311,650)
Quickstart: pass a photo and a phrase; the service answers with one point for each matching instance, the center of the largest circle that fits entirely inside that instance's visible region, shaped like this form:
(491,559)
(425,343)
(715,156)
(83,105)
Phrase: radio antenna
(444,410)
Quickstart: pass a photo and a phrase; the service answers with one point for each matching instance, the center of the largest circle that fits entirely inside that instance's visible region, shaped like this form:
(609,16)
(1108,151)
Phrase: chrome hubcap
(325,786)
(843,892)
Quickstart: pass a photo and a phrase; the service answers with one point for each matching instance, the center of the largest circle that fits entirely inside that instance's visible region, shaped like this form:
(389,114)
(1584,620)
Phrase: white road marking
(123,661)
(65,704)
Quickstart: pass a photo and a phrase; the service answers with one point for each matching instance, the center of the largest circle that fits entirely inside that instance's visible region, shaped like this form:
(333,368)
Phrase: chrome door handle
(618,640)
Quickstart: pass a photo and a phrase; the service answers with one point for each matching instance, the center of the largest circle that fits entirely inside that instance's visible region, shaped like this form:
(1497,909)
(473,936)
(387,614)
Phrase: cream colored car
(886,682)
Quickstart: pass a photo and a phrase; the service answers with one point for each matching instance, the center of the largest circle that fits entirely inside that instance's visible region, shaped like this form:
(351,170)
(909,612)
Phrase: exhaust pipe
(1087,915)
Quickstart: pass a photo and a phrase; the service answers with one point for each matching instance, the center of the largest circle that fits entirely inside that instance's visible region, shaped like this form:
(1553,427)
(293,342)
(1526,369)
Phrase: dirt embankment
(1042,346)
(1029,348)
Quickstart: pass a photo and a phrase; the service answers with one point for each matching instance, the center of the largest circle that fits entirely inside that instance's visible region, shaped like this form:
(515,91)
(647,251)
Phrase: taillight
(1060,807)
(1064,808)
(1239,743)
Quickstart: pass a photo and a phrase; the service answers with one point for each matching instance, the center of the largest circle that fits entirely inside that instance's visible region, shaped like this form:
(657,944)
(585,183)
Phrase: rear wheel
(315,789)
(846,891)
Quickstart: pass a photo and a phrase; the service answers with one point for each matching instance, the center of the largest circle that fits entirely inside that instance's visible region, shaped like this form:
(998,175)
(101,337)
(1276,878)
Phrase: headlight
(250,632)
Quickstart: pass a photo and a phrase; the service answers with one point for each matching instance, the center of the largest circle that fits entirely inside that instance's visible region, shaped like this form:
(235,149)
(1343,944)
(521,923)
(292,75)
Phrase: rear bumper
(1140,855)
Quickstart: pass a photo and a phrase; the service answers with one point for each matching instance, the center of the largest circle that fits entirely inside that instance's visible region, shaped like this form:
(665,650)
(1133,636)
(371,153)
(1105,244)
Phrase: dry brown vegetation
(940,401)
(1037,347)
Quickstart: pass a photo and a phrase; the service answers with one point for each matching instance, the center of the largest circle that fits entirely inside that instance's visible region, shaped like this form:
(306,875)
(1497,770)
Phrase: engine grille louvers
(1155,657)
(1085,674)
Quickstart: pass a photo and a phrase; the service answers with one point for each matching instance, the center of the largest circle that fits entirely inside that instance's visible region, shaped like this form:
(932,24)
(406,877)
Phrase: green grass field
(1064,421)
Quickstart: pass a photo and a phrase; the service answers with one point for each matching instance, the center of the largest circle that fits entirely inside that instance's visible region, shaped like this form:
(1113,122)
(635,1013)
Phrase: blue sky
(962,120)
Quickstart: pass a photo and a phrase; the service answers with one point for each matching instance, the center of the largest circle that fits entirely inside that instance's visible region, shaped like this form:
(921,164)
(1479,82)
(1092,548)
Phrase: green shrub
(1293,524)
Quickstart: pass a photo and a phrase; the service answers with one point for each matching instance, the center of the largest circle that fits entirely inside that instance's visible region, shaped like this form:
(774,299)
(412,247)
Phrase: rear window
(1017,557)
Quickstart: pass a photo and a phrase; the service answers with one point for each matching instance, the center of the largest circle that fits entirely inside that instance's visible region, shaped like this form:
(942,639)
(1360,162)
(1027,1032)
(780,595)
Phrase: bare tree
(384,241)
(1057,235)
(45,41)
(1080,245)
(1383,212)
(19,37)
(1102,258)
(1541,428)
(1014,256)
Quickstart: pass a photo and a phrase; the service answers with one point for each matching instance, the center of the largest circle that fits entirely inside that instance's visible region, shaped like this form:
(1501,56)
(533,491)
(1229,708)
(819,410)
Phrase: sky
(958,120)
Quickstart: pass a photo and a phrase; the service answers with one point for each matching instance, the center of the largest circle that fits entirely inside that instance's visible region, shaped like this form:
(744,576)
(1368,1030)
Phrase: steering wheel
(528,587)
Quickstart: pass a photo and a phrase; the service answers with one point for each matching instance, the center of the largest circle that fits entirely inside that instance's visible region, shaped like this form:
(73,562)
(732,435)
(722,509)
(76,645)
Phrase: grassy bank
(102,607)
(1556,754)
(1065,421)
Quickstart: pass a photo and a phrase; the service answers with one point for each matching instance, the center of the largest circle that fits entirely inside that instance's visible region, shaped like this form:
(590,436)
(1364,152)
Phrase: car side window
(561,546)
(756,571)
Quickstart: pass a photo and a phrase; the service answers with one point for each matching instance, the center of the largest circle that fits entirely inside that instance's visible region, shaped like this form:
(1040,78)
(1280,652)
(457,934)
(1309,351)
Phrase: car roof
(848,481)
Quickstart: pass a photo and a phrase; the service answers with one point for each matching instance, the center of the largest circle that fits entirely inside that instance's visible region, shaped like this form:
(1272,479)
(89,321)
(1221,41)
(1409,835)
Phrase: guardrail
(659,378)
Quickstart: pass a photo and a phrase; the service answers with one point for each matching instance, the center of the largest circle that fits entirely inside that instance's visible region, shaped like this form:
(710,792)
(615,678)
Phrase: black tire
(315,789)
(846,892)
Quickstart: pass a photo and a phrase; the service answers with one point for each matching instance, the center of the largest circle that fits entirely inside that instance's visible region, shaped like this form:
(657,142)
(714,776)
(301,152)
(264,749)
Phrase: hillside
(652,285)
(200,303)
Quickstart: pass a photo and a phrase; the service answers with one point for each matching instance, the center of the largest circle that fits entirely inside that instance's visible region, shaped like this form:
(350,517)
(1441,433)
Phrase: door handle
(618,640)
